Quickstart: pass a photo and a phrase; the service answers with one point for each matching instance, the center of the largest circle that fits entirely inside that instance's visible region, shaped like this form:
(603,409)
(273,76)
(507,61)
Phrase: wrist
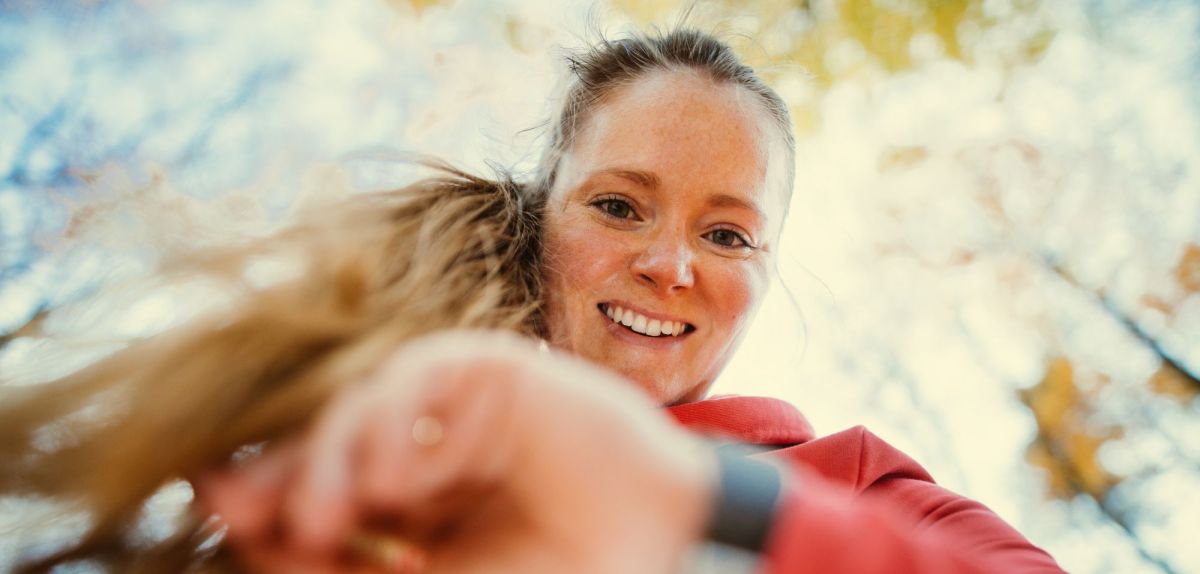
(702,487)
(689,496)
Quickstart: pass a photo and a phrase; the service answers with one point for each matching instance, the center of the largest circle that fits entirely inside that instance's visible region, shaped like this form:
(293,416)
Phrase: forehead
(688,113)
(694,134)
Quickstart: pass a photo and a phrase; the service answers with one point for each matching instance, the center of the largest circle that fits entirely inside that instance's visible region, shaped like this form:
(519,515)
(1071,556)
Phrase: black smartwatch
(747,496)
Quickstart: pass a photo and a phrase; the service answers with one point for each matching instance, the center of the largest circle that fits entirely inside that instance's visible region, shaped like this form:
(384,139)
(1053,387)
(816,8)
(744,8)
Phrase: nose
(665,264)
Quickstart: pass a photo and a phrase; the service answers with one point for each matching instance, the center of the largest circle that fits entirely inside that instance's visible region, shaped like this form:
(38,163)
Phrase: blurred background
(992,258)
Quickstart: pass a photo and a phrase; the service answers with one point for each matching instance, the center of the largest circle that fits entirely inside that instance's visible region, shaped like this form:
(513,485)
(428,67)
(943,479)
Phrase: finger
(385,552)
(388,440)
(248,497)
(277,559)
(318,511)
(400,472)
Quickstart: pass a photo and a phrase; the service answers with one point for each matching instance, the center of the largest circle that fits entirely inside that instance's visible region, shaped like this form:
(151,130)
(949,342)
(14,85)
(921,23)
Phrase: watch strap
(746,499)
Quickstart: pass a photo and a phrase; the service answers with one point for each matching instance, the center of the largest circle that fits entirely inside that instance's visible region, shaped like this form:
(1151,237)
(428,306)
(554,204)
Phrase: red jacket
(853,503)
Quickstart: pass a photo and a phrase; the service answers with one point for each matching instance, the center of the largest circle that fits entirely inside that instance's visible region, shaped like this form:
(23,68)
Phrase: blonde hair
(377,269)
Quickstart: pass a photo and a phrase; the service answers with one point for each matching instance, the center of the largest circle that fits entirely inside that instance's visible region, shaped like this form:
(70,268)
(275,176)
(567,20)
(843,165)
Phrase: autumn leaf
(1157,303)
(1068,443)
(1187,271)
(1053,400)
(1038,454)
(902,158)
(1170,382)
(1083,448)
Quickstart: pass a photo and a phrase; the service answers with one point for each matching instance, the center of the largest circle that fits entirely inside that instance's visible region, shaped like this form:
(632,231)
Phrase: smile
(643,325)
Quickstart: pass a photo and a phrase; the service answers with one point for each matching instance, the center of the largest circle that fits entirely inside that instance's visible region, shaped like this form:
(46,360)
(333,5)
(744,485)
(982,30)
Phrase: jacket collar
(752,420)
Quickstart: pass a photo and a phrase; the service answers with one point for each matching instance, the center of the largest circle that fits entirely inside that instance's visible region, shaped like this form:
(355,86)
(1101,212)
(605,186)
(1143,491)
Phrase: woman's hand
(487,454)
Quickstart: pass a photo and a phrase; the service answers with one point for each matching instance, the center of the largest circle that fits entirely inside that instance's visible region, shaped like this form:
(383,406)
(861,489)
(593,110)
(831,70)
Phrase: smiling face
(660,231)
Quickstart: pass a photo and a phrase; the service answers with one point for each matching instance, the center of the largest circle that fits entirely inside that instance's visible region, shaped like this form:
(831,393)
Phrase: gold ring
(427,431)
(391,553)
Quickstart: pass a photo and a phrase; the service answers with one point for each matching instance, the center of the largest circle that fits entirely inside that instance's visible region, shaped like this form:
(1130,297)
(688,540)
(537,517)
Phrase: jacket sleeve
(895,525)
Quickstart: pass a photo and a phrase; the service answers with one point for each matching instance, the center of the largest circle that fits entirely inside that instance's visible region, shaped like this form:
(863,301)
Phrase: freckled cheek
(580,258)
(584,263)
(736,292)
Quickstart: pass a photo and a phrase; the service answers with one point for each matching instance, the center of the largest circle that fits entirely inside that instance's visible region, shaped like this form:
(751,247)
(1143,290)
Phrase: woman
(639,254)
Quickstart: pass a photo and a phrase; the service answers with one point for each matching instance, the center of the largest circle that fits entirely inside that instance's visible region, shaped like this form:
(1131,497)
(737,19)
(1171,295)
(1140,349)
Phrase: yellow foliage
(1067,443)
(1157,303)
(1172,383)
(1187,271)
(418,6)
(883,32)
(902,158)
(648,11)
(525,37)
(1039,455)
(1054,399)
(1082,450)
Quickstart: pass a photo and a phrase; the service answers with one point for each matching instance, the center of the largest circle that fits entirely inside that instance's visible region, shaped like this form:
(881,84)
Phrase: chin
(665,393)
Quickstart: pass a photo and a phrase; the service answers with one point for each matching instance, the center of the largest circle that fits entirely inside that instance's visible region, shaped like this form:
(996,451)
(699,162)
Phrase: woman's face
(660,229)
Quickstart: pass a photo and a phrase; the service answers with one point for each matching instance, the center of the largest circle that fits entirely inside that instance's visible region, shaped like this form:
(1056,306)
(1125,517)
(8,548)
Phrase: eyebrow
(725,200)
(643,178)
(651,181)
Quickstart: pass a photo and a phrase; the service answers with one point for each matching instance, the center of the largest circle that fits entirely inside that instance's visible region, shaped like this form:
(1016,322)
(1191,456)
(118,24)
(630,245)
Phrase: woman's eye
(727,238)
(617,208)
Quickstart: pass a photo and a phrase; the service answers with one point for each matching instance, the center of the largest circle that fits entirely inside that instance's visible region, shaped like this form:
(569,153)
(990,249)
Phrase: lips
(646,325)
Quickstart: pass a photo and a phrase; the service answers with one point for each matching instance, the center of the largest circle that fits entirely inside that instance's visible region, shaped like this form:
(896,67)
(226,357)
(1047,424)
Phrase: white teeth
(643,324)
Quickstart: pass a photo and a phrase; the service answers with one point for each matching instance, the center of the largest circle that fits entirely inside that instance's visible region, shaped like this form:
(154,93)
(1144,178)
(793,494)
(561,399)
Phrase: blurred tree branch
(1104,503)
(250,86)
(1130,325)
(39,134)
